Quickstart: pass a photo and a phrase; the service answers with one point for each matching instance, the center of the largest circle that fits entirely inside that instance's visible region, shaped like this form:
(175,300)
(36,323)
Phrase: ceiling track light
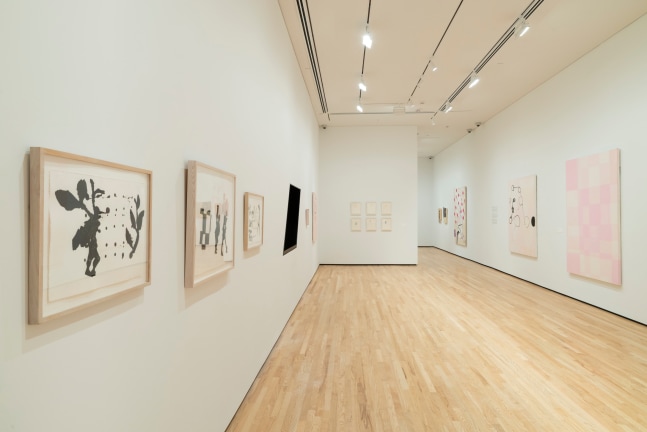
(359,107)
(432,65)
(362,84)
(367,41)
(448,107)
(474,79)
(522,27)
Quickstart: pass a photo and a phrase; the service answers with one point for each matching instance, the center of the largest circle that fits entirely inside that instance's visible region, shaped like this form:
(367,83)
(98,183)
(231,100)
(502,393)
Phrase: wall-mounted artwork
(315,210)
(292,220)
(386,208)
(445,211)
(307,217)
(371,224)
(386,224)
(522,216)
(90,231)
(460,216)
(355,209)
(371,208)
(254,208)
(440,215)
(355,224)
(593,217)
(210,223)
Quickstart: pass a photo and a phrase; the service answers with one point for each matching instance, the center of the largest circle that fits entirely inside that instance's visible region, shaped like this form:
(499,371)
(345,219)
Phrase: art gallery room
(323,215)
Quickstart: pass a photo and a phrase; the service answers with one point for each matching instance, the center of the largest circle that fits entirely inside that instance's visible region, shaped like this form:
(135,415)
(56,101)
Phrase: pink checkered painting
(593,217)
(460,216)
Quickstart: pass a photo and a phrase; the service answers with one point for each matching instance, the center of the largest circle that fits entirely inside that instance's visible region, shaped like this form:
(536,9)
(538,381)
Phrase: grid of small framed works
(371,212)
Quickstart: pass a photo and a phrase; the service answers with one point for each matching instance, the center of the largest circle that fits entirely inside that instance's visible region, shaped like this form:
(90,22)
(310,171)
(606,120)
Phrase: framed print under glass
(90,231)
(254,208)
(210,223)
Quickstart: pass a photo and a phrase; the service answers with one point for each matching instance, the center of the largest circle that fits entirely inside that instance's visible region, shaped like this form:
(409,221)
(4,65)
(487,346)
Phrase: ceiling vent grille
(308,34)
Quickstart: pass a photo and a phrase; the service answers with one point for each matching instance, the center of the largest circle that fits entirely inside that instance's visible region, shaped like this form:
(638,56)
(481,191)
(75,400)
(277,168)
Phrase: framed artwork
(355,209)
(315,205)
(460,216)
(307,217)
(355,224)
(371,224)
(371,208)
(593,217)
(440,215)
(386,208)
(90,231)
(522,216)
(445,211)
(210,223)
(386,224)
(254,208)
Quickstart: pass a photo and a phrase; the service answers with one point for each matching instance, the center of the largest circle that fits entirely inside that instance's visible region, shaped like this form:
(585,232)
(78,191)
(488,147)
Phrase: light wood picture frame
(210,223)
(356,208)
(253,219)
(371,208)
(90,232)
(356,224)
(371,224)
(386,208)
(386,225)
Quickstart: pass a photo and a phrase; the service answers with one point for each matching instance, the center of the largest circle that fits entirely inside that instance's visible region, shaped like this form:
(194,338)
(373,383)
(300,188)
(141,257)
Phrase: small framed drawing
(386,208)
(445,215)
(356,224)
(386,224)
(307,217)
(355,209)
(210,223)
(440,215)
(371,224)
(254,214)
(90,231)
(371,208)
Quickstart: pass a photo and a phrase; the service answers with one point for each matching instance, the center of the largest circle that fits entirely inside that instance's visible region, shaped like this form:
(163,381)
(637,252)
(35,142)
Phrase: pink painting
(593,217)
(460,216)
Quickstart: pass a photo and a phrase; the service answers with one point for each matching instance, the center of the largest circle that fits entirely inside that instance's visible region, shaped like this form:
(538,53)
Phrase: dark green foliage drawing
(86,235)
(135,224)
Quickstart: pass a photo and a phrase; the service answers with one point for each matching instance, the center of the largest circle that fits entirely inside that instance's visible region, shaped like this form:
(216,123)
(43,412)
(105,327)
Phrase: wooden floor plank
(447,345)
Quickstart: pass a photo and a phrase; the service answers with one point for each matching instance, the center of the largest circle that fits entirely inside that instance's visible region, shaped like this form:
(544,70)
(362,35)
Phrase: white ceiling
(461,32)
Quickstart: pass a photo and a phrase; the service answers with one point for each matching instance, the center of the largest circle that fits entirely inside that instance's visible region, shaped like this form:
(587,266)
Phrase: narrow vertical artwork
(593,217)
(460,216)
(314,217)
(522,216)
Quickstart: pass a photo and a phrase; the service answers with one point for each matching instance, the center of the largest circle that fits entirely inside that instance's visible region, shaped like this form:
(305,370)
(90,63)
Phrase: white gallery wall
(427,210)
(596,104)
(368,164)
(152,84)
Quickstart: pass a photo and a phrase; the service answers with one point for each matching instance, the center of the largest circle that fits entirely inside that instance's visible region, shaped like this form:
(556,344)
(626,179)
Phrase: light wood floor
(447,345)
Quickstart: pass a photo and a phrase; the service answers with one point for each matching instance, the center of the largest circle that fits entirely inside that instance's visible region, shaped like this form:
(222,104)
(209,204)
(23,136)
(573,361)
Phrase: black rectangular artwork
(292,220)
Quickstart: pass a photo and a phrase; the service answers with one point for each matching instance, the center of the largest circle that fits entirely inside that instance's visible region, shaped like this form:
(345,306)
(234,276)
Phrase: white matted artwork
(355,209)
(355,224)
(371,224)
(254,213)
(371,208)
(90,231)
(210,223)
(522,216)
(307,217)
(386,224)
(386,208)
(460,216)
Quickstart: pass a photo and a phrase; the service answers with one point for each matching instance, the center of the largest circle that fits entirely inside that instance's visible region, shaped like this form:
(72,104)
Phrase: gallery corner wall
(595,105)
(427,210)
(153,85)
(368,165)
